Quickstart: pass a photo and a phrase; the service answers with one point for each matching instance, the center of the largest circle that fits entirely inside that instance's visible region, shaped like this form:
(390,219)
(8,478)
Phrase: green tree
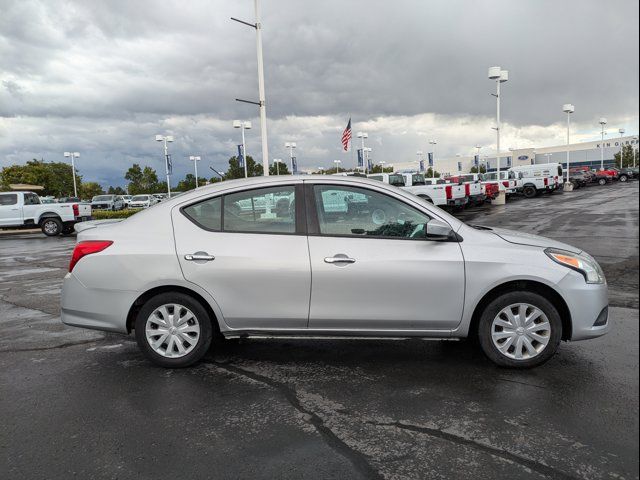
(280,169)
(236,171)
(134,175)
(189,183)
(628,153)
(381,169)
(116,191)
(143,180)
(55,177)
(481,169)
(90,189)
(430,173)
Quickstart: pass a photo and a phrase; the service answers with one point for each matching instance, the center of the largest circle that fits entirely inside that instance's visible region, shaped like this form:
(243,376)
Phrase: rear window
(9,199)
(396,180)
(207,214)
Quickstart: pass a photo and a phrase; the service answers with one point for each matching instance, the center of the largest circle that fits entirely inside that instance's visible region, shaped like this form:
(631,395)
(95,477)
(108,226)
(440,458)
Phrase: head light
(583,263)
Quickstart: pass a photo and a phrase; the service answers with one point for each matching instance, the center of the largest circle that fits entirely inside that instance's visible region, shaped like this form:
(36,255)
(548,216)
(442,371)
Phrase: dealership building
(580,154)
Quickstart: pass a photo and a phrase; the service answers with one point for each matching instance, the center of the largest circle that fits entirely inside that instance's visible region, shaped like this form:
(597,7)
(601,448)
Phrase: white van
(539,178)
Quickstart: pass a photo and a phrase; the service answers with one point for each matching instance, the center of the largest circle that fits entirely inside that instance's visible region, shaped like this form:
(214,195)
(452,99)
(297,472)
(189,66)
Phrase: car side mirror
(439,231)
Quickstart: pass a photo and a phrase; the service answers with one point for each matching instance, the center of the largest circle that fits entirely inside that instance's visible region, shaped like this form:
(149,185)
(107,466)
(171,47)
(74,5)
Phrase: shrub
(105,214)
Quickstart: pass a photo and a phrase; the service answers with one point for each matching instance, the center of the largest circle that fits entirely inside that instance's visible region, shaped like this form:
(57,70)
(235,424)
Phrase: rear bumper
(477,198)
(457,202)
(97,309)
(587,304)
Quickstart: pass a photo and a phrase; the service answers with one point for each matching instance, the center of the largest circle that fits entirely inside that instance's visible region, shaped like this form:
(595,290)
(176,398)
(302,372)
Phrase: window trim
(300,226)
(314,224)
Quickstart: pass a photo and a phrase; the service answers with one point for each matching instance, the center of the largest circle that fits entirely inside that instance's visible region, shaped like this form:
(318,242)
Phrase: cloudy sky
(103,77)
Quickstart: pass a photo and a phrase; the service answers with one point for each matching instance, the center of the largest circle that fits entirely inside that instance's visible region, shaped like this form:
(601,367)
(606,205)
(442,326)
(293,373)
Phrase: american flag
(346,137)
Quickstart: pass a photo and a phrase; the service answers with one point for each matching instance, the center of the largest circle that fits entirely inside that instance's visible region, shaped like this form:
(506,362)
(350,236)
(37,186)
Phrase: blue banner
(476,160)
(369,164)
(294,164)
(508,162)
(430,155)
(360,159)
(240,156)
(421,165)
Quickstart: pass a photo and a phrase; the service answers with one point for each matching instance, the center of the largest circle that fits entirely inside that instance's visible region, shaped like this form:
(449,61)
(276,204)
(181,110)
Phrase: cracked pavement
(87,404)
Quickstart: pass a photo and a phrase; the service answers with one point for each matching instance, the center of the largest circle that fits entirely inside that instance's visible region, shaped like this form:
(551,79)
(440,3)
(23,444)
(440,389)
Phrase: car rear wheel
(602,181)
(51,227)
(529,191)
(520,330)
(173,330)
(623,178)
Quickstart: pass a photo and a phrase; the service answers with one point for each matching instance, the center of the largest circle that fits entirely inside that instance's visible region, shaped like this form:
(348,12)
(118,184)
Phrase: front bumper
(586,302)
(97,309)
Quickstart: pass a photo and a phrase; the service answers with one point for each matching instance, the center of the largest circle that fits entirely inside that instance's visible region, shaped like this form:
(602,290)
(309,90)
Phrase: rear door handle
(339,259)
(199,257)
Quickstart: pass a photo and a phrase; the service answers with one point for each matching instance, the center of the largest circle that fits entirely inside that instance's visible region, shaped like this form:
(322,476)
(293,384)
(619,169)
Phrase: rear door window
(8,199)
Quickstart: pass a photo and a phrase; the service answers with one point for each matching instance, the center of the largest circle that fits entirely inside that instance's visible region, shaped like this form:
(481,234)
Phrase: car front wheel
(173,330)
(529,191)
(520,330)
(623,178)
(602,181)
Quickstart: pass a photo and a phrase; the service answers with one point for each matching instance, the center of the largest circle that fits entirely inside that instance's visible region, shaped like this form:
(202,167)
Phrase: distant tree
(627,156)
(134,176)
(381,169)
(481,169)
(280,169)
(429,173)
(55,177)
(236,171)
(189,183)
(90,189)
(116,191)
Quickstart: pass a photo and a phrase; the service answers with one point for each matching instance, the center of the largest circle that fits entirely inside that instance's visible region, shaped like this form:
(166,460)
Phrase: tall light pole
(500,76)
(321,170)
(603,122)
(621,132)
(420,155)
(382,166)
(166,139)
(276,162)
(362,136)
(635,140)
(244,125)
(195,159)
(261,93)
(433,144)
(337,162)
(291,146)
(73,156)
(568,109)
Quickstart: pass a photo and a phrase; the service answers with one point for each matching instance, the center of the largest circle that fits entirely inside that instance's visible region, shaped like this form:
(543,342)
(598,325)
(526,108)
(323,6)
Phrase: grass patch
(106,214)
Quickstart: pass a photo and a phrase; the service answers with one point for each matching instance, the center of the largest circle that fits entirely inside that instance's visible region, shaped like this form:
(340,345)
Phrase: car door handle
(339,259)
(199,257)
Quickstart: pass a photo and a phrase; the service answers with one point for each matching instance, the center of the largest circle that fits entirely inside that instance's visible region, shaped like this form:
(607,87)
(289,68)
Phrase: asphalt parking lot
(82,404)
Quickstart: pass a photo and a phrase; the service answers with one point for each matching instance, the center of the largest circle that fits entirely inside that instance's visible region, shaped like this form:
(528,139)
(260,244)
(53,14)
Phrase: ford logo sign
(523,157)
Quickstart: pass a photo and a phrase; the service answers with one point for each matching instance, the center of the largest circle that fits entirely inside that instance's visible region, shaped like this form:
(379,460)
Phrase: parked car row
(472,189)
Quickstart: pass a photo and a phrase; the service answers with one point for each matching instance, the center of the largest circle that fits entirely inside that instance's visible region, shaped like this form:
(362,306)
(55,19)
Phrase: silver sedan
(327,256)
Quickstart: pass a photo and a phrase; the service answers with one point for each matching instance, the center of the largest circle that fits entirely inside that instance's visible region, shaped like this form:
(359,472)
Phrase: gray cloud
(107,76)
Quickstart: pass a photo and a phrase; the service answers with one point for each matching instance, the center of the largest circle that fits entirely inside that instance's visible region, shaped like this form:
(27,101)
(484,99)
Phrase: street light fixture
(500,76)
(195,159)
(244,125)
(621,132)
(73,156)
(362,136)
(568,109)
(382,166)
(165,139)
(276,162)
(603,122)
(291,146)
(321,170)
(337,162)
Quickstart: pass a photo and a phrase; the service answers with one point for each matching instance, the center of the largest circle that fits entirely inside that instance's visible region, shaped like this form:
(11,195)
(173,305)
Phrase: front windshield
(140,198)
(396,180)
(102,198)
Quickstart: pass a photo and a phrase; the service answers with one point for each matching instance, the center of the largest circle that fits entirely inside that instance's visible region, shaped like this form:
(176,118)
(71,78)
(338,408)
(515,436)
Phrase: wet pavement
(77,403)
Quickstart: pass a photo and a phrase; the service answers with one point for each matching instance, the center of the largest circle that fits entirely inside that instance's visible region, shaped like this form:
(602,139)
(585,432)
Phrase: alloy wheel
(521,331)
(172,330)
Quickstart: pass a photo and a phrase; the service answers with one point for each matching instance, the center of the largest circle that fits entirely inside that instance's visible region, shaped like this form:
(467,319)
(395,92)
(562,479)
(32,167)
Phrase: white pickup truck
(24,210)
(512,181)
(433,190)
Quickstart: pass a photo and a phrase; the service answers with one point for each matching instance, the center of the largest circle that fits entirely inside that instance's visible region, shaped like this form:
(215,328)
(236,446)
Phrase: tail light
(467,189)
(449,191)
(76,210)
(546,181)
(87,248)
(506,184)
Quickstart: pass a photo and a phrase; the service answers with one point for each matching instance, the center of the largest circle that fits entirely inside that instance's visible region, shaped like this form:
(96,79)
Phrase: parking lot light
(568,109)
(603,122)
(195,160)
(621,132)
(291,146)
(362,136)
(500,76)
(337,162)
(243,125)
(433,143)
(73,156)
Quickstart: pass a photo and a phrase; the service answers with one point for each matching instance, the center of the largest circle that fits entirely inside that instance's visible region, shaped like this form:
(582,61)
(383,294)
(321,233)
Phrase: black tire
(529,191)
(491,312)
(51,227)
(205,323)
(602,181)
(623,178)
(67,229)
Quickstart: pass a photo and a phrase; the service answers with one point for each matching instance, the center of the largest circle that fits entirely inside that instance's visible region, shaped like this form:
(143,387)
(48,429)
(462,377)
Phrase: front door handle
(199,257)
(340,258)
